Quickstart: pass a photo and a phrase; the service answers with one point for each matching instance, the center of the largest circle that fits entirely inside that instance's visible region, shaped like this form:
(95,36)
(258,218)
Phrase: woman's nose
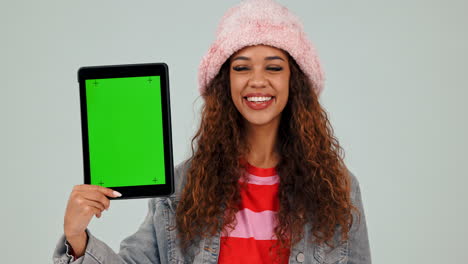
(257,79)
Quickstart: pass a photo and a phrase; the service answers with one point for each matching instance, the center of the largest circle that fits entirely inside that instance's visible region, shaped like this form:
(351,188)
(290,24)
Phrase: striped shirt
(253,235)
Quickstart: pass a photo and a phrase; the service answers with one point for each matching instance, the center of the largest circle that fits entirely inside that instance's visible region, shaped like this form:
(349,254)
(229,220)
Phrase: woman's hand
(84,202)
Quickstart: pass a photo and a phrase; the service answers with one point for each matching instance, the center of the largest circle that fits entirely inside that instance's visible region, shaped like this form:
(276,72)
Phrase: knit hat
(255,22)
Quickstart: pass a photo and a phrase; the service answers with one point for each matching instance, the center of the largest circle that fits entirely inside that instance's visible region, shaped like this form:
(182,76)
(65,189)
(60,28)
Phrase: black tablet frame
(132,70)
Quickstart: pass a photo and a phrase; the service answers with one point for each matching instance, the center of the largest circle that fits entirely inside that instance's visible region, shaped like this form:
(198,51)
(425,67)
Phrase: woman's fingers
(88,209)
(97,193)
(95,204)
(96,197)
(106,191)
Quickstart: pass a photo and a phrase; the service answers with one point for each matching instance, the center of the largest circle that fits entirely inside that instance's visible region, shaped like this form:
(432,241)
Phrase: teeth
(258,99)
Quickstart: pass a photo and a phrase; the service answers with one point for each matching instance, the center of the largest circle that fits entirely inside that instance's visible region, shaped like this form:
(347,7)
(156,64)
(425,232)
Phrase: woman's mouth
(258,102)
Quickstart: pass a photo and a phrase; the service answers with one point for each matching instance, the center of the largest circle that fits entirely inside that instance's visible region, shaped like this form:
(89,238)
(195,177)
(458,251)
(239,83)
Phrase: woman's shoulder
(356,200)
(355,187)
(180,176)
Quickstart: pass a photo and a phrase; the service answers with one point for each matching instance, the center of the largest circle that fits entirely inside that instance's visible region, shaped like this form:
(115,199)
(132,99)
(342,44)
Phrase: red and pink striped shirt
(253,235)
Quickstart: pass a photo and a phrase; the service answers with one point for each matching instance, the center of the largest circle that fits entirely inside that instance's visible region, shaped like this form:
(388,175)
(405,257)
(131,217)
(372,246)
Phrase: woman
(266,182)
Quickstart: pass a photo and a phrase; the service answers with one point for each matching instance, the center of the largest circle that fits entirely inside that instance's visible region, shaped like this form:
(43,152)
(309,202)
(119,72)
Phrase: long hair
(314,182)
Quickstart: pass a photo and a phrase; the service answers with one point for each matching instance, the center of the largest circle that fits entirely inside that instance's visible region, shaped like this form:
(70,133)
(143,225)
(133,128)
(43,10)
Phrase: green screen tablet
(126,129)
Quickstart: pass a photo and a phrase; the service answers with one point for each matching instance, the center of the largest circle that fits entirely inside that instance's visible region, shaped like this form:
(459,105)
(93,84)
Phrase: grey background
(396,90)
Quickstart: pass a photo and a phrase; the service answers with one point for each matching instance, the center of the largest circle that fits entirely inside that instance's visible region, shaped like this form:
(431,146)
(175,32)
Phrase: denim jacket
(156,242)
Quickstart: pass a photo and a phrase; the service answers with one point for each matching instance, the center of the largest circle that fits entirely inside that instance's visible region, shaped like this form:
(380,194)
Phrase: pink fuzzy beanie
(254,22)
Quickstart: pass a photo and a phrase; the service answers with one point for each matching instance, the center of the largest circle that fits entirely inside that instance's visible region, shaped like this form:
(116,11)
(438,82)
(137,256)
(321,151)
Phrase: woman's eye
(274,68)
(239,68)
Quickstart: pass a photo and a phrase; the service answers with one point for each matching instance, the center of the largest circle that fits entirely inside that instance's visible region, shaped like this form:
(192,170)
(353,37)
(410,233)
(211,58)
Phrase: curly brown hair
(314,182)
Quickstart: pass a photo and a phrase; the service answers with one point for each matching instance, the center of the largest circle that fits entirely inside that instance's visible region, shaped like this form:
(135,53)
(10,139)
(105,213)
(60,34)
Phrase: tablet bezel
(132,70)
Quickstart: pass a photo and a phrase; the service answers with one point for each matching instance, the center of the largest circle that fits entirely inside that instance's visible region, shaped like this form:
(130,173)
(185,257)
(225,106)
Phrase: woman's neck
(262,142)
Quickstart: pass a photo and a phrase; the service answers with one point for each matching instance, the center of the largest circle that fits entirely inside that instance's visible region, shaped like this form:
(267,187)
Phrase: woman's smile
(258,101)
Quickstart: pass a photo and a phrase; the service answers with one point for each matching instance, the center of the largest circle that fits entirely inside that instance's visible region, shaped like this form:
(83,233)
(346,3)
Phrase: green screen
(125,133)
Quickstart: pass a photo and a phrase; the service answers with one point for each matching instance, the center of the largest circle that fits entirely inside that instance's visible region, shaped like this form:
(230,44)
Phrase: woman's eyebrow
(267,58)
(240,58)
(274,58)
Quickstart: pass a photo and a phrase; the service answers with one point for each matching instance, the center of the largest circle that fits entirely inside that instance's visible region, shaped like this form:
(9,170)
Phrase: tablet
(126,129)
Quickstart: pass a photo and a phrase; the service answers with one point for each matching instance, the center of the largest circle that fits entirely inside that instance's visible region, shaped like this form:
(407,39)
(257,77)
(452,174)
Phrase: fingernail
(115,193)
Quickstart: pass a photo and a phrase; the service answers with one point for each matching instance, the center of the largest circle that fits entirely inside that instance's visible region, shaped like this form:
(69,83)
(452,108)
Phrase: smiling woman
(266,182)
(290,145)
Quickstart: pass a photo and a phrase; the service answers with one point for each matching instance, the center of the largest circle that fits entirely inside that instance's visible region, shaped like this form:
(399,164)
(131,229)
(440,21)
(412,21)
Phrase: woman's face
(259,78)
